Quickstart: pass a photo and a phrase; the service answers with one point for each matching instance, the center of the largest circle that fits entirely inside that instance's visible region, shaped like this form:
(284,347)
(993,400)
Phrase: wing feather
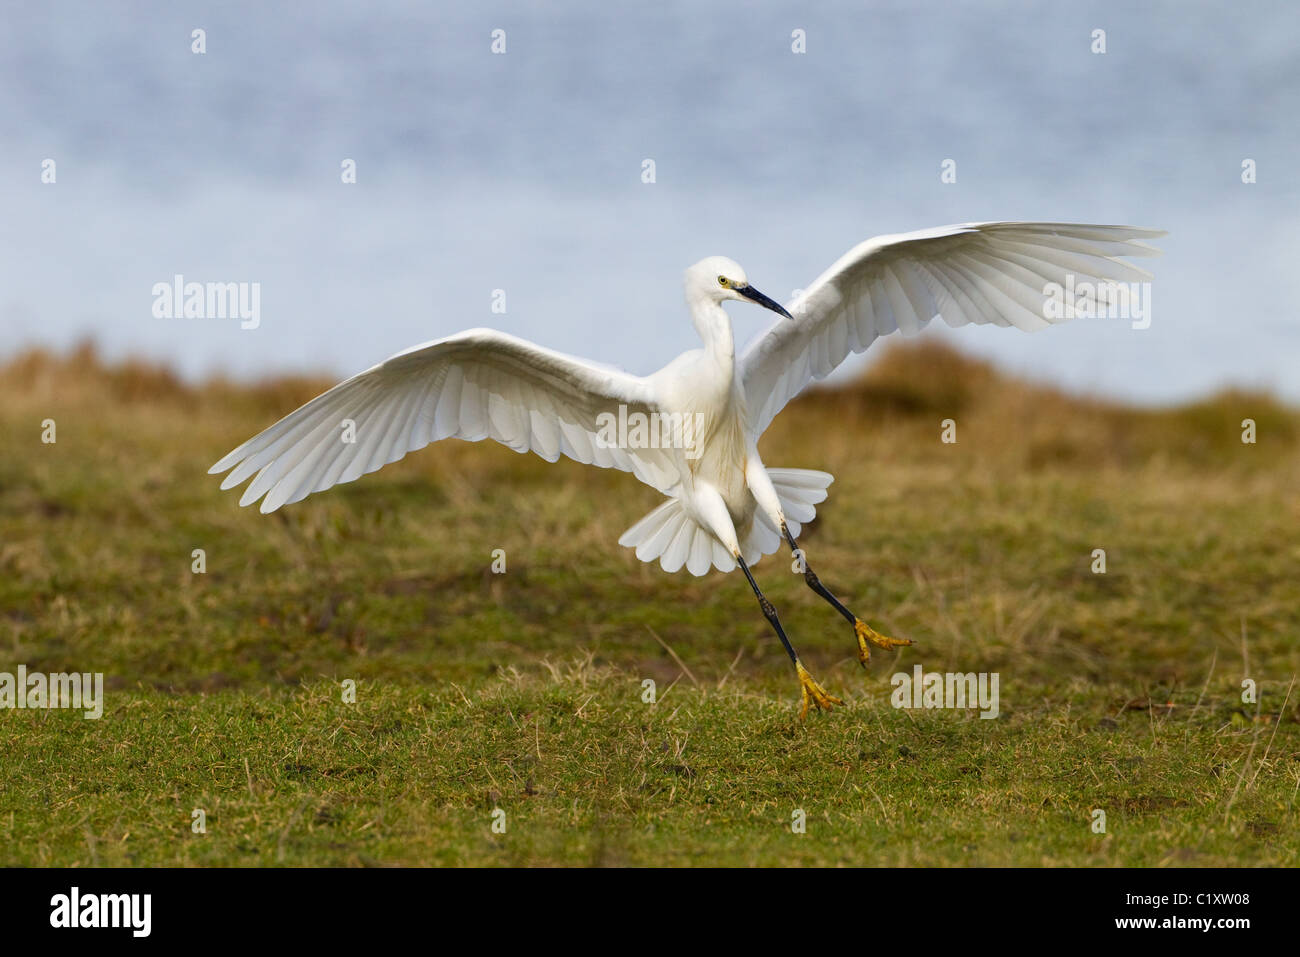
(475,385)
(987,273)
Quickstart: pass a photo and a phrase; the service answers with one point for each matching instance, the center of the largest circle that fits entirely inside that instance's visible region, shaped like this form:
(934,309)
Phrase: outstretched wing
(479,384)
(976,272)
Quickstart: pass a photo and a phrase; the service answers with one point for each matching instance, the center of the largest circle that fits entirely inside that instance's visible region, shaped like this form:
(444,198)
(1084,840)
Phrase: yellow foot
(813,692)
(868,636)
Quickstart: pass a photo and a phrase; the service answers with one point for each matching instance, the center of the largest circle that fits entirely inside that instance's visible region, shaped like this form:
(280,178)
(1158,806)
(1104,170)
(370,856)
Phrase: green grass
(523,692)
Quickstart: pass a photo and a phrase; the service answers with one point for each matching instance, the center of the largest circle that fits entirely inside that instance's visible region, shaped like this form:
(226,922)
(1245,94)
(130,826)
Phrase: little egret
(724,507)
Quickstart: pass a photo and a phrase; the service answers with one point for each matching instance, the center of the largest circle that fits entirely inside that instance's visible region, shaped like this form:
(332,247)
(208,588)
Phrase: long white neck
(714,326)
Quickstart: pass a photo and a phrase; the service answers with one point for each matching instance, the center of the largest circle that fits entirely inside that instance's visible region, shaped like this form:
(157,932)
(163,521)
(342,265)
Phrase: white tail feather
(676,540)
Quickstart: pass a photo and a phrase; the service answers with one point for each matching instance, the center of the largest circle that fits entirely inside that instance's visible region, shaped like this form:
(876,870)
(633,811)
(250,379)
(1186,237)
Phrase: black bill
(752,294)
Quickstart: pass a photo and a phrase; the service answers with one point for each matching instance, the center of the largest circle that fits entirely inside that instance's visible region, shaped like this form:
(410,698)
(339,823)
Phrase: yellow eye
(722,281)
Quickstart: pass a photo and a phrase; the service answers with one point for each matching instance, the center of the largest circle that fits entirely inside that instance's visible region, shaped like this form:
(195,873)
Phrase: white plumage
(976,272)
(723,503)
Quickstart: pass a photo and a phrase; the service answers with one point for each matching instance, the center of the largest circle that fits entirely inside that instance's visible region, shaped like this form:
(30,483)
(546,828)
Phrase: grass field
(517,698)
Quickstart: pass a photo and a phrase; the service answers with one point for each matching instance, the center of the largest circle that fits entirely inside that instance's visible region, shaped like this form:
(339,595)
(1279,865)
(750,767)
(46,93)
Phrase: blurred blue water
(522,171)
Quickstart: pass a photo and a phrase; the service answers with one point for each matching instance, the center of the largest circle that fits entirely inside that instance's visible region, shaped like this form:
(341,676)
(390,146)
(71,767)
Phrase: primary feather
(974,272)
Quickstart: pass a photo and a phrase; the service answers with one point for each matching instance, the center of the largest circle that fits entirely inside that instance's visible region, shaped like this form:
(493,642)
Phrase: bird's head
(718,278)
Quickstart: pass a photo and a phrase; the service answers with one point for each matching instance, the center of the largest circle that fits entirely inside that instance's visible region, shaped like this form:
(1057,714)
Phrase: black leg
(865,634)
(810,691)
(769,612)
(810,577)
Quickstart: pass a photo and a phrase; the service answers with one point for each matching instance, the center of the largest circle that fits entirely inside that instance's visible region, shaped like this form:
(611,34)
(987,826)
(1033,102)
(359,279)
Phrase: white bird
(690,430)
